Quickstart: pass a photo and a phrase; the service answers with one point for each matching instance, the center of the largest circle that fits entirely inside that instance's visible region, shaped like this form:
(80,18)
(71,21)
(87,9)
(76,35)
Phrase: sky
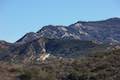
(18,17)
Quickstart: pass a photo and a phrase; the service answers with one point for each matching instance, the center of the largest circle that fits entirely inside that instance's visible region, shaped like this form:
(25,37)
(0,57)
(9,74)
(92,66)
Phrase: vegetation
(103,66)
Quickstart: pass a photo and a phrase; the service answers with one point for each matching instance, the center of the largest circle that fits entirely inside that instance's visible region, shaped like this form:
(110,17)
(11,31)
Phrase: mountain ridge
(104,31)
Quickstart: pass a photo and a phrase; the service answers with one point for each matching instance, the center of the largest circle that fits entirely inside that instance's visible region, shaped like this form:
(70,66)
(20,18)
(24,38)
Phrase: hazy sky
(18,17)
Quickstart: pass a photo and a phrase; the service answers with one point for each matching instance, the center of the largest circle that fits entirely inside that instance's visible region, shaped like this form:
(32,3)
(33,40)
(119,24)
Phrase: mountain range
(80,38)
(105,31)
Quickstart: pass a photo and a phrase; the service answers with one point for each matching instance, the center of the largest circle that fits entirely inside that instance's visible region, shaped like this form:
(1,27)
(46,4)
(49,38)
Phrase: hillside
(78,39)
(85,50)
(104,66)
(56,47)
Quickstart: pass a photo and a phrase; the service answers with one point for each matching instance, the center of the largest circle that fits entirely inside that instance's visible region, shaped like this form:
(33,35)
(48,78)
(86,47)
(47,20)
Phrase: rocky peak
(27,38)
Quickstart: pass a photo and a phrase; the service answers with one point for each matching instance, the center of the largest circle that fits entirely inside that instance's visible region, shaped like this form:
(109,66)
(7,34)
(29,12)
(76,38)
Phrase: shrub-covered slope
(104,66)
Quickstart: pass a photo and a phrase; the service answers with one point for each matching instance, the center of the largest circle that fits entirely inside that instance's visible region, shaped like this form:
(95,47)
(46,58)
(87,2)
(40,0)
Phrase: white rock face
(83,33)
(65,35)
(43,57)
(62,28)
